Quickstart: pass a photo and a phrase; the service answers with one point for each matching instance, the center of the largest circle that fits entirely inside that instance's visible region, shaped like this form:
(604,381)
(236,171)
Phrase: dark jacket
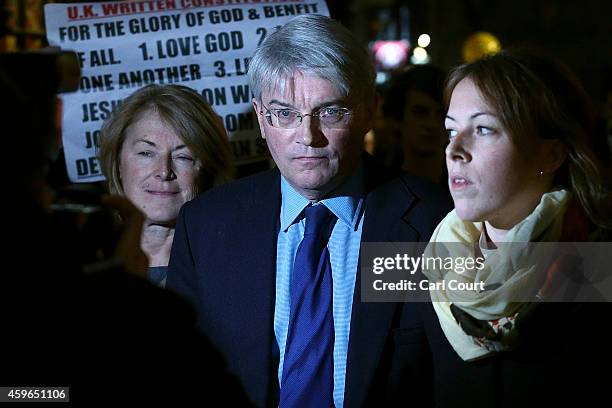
(224,260)
(562,358)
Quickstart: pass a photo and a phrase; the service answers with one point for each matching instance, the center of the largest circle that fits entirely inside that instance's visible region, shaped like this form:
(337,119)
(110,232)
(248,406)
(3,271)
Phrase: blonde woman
(161,147)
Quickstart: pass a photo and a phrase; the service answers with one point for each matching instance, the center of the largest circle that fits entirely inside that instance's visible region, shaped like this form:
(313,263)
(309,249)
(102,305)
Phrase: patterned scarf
(506,272)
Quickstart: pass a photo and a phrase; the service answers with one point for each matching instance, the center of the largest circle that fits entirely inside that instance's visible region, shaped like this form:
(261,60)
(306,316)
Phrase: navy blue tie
(308,369)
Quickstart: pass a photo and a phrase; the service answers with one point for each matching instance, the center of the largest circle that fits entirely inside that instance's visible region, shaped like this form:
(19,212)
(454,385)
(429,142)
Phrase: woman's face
(489,178)
(158,172)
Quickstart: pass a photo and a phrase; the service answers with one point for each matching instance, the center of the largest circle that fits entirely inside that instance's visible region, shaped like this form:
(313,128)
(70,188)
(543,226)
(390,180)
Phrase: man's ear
(554,154)
(260,117)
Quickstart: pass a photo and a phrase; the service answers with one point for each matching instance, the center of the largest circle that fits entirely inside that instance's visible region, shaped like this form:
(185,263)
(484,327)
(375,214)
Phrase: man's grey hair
(317,45)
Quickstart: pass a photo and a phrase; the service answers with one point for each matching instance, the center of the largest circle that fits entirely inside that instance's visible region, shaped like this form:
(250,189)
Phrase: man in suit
(238,251)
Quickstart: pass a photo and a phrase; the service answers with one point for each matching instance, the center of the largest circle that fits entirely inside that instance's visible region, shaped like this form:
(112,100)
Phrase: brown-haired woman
(161,147)
(520,171)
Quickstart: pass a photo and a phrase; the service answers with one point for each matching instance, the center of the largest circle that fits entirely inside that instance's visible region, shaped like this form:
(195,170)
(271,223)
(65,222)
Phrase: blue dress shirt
(343,246)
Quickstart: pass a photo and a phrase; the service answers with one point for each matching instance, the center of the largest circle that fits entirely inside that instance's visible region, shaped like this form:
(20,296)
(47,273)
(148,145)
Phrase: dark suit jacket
(563,360)
(224,260)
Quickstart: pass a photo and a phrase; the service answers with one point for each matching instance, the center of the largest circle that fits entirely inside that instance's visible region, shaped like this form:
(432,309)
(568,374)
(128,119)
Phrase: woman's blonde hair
(185,112)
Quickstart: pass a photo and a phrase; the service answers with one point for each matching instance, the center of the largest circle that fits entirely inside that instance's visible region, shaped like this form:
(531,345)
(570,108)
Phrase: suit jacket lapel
(261,220)
(386,220)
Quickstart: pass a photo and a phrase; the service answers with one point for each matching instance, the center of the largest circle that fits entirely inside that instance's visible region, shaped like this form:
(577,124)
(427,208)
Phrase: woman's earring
(541,173)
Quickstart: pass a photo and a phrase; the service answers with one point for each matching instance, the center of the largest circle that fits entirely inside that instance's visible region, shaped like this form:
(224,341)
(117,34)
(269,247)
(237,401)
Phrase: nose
(458,149)
(164,170)
(310,133)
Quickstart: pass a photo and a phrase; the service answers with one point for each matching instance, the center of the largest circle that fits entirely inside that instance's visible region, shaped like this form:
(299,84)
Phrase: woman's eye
(483,130)
(451,133)
(145,153)
(285,113)
(185,159)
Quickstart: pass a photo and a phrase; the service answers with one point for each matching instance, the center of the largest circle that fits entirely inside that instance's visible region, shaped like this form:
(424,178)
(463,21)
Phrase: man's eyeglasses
(330,117)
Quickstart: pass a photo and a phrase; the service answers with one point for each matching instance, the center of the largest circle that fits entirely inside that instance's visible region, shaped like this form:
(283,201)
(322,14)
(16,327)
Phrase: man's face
(423,124)
(314,158)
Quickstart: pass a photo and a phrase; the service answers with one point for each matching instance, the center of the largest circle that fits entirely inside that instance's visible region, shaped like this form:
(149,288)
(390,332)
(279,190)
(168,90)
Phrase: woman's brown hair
(537,97)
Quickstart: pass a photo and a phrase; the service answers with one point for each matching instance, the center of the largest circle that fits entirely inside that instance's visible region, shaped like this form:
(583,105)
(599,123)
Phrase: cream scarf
(507,271)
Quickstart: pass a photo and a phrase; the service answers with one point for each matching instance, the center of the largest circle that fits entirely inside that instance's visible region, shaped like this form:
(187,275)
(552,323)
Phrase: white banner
(123,46)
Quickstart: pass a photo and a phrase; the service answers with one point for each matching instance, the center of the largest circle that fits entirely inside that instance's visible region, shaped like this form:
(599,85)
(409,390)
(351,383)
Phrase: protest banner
(123,46)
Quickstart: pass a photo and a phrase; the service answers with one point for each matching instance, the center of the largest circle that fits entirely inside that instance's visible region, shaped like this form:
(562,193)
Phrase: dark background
(579,33)
(576,32)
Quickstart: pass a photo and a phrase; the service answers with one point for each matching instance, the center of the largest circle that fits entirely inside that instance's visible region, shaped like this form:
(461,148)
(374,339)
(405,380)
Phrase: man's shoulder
(238,194)
(412,188)
(418,202)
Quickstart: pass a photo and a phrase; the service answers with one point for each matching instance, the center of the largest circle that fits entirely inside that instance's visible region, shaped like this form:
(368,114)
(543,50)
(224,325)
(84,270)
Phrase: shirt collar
(346,202)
